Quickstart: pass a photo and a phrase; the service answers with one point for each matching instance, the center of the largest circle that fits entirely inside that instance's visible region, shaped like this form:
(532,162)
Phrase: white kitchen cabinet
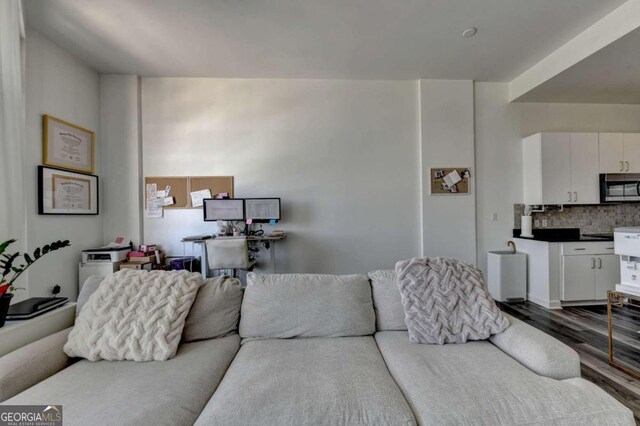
(569,273)
(584,168)
(607,274)
(588,276)
(560,168)
(631,149)
(579,278)
(611,153)
(619,152)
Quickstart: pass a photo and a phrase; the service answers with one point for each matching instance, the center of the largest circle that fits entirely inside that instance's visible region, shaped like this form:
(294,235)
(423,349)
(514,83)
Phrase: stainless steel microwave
(619,187)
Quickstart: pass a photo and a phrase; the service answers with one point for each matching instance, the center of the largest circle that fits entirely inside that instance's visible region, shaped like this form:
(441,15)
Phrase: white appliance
(102,269)
(105,254)
(507,276)
(627,245)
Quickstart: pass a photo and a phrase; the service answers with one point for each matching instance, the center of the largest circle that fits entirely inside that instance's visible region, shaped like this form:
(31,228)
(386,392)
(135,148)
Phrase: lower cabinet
(588,276)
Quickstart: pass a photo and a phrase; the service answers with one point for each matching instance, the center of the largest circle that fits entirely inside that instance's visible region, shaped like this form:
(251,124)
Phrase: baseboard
(549,304)
(585,303)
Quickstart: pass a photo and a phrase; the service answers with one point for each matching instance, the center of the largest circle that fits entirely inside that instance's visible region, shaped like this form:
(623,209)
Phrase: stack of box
(148,257)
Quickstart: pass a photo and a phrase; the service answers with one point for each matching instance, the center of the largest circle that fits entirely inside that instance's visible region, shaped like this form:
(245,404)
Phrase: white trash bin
(507,276)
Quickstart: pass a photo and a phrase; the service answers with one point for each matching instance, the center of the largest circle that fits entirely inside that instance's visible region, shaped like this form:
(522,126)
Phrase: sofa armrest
(31,364)
(536,350)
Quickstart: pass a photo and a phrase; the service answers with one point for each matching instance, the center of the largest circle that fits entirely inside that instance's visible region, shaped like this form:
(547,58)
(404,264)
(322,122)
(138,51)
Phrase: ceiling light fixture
(469,32)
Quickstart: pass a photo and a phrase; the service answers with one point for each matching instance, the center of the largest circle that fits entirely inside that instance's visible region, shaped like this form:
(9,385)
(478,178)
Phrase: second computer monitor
(230,209)
(262,210)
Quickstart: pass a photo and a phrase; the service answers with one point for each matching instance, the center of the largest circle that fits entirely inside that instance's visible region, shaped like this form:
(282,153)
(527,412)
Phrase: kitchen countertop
(563,235)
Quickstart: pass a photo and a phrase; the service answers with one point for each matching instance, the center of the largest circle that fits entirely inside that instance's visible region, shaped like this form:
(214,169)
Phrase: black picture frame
(46,192)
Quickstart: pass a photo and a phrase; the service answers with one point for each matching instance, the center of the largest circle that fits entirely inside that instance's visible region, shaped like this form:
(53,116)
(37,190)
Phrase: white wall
(498,166)
(447,139)
(60,85)
(500,126)
(341,154)
(120,159)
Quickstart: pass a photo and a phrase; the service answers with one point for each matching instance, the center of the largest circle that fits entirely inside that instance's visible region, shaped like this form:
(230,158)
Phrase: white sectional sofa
(315,349)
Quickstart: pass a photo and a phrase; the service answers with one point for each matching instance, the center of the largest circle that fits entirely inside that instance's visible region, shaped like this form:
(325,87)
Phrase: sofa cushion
(169,392)
(476,383)
(306,305)
(89,287)
(134,315)
(214,313)
(216,310)
(315,381)
(387,300)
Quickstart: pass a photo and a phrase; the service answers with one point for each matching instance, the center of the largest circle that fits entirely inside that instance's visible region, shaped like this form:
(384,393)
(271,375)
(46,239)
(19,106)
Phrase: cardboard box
(138,266)
(146,259)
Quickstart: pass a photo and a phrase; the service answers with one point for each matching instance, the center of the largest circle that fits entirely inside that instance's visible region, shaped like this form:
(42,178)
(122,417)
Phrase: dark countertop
(563,235)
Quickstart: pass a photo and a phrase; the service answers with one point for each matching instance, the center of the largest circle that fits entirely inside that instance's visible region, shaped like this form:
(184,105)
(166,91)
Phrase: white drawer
(587,247)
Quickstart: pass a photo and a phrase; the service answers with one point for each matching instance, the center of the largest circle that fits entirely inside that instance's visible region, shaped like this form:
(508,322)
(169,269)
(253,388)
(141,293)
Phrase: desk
(18,333)
(268,242)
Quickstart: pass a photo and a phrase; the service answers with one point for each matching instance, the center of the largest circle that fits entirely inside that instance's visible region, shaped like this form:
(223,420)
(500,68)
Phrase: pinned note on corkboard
(450,180)
(179,189)
(215,184)
(182,186)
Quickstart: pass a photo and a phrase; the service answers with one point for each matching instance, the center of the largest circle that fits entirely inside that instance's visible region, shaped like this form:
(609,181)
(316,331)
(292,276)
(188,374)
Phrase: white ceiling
(610,75)
(355,39)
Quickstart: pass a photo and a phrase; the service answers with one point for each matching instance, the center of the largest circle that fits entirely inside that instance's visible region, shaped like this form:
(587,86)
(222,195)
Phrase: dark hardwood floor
(584,328)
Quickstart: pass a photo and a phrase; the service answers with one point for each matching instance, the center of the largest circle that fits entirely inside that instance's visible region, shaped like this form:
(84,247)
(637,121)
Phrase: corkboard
(179,189)
(215,184)
(182,186)
(437,181)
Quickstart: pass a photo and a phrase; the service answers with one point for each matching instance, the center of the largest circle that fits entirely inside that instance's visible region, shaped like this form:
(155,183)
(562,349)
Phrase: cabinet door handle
(575,197)
(599,263)
(569,192)
(579,248)
(593,263)
(627,163)
(621,165)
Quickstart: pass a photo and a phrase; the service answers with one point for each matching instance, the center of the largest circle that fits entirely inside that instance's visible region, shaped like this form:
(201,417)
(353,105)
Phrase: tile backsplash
(590,219)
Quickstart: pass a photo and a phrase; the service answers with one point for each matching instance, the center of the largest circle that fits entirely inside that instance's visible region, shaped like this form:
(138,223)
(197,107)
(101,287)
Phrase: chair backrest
(228,253)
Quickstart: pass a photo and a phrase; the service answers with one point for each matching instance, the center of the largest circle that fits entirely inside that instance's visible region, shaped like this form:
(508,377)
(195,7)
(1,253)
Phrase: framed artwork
(66,145)
(449,180)
(65,192)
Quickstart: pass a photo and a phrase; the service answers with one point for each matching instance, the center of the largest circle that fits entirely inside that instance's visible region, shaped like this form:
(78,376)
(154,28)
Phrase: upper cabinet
(561,168)
(619,153)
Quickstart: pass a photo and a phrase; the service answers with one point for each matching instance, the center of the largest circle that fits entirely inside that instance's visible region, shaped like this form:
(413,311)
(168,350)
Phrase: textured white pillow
(134,315)
(446,301)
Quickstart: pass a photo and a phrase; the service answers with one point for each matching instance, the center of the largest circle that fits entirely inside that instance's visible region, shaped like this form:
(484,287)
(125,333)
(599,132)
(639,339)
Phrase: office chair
(229,253)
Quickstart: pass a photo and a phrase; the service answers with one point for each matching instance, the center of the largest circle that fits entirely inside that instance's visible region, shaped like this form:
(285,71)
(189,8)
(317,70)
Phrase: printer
(106,254)
(102,262)
(627,245)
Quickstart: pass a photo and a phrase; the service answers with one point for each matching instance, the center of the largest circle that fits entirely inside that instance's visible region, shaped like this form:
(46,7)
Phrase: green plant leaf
(5,244)
(36,253)
(9,264)
(28,259)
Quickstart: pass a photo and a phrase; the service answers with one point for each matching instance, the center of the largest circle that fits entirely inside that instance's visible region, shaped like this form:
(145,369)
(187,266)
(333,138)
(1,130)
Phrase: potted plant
(11,268)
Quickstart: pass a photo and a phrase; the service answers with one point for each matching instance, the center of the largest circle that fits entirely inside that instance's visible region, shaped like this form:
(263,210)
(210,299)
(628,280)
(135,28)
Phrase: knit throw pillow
(134,315)
(446,301)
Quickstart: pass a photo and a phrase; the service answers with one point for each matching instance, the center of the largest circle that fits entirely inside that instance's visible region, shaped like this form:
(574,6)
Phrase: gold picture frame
(67,146)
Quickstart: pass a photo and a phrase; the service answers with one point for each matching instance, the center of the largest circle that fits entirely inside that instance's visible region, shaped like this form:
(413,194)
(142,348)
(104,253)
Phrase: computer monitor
(262,210)
(230,209)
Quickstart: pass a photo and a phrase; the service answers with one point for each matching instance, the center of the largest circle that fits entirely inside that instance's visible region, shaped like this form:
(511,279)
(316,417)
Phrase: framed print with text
(66,145)
(64,192)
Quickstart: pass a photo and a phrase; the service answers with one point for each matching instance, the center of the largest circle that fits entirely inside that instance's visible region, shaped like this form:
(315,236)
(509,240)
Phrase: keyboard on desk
(198,237)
